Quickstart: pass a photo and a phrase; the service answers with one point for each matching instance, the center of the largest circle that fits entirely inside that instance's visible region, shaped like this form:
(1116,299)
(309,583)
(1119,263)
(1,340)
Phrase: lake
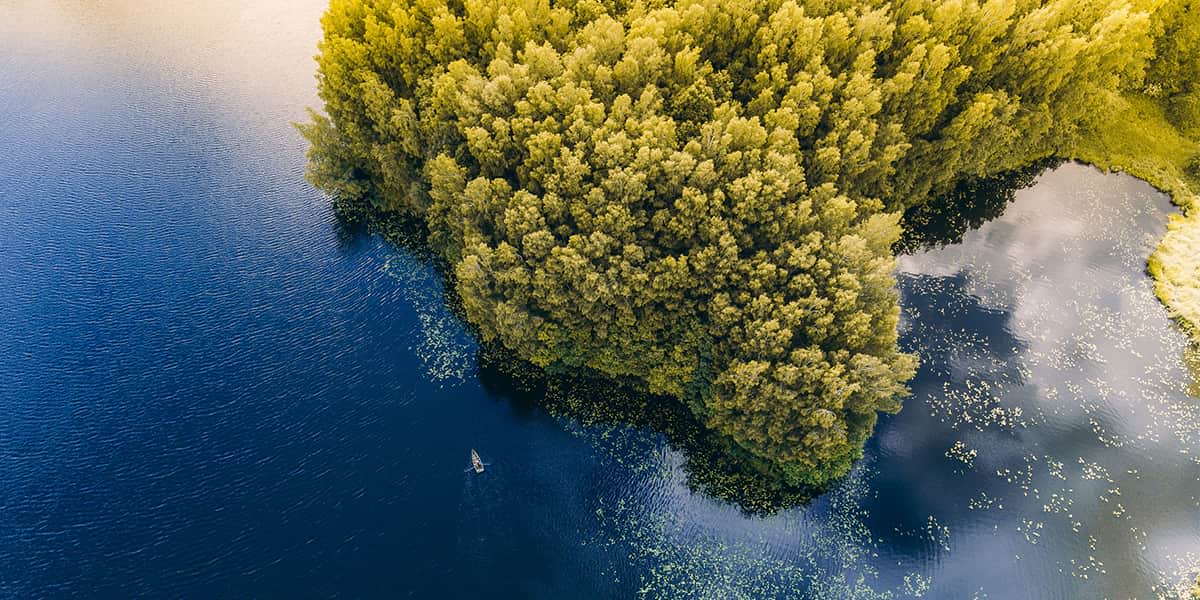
(211,387)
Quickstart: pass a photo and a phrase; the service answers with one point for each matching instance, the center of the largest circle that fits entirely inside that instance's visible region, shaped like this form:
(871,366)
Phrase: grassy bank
(1138,138)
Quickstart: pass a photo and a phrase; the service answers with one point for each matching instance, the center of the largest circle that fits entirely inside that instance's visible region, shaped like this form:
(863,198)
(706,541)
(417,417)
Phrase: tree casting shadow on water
(713,466)
(946,219)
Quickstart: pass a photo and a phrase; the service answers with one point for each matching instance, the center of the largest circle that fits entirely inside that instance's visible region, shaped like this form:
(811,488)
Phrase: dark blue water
(211,388)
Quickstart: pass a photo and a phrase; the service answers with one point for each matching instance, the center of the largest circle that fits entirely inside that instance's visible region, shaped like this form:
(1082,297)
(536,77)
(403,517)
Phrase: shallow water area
(210,387)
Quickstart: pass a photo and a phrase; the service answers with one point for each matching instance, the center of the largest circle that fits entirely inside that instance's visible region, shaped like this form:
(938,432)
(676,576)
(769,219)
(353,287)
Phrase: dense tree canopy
(702,195)
(1175,73)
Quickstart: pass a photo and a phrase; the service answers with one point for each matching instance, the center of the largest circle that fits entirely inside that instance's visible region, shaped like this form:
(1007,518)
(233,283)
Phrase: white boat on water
(476,462)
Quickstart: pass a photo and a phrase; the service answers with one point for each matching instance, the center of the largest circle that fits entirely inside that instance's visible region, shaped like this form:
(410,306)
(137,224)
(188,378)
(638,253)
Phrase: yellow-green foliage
(1132,133)
(700,195)
(1175,266)
(1152,131)
(1135,135)
(1174,79)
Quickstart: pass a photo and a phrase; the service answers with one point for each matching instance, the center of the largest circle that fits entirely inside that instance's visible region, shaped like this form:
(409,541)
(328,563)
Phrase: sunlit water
(210,389)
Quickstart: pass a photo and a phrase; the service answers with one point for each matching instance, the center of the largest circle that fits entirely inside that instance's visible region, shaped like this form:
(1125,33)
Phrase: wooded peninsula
(702,197)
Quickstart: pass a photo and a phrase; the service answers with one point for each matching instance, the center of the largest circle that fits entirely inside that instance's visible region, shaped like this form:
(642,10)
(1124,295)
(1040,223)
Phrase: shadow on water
(946,219)
(712,466)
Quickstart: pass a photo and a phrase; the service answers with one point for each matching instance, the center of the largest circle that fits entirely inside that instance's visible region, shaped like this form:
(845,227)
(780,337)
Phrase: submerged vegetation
(701,197)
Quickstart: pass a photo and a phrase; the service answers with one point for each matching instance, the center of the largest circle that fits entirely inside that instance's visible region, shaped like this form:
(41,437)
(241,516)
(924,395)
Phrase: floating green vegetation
(702,198)
(1152,131)
(1093,358)
(1183,583)
(1138,137)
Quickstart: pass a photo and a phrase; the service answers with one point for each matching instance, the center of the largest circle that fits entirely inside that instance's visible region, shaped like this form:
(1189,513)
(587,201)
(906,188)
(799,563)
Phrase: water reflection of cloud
(1067,270)
(1072,419)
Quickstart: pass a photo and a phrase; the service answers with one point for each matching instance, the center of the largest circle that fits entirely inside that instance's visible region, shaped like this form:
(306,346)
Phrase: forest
(703,198)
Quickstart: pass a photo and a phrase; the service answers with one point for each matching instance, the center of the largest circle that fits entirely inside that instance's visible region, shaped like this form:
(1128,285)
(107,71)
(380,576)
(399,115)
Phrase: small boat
(476,462)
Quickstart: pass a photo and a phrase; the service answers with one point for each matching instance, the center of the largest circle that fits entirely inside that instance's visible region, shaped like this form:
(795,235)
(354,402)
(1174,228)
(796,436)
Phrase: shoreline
(1138,139)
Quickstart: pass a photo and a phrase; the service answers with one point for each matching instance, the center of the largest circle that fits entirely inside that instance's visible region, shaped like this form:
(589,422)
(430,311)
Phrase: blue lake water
(211,388)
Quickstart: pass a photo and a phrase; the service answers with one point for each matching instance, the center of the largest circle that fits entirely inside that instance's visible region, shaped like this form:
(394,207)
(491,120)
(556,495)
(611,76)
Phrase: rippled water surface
(210,388)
